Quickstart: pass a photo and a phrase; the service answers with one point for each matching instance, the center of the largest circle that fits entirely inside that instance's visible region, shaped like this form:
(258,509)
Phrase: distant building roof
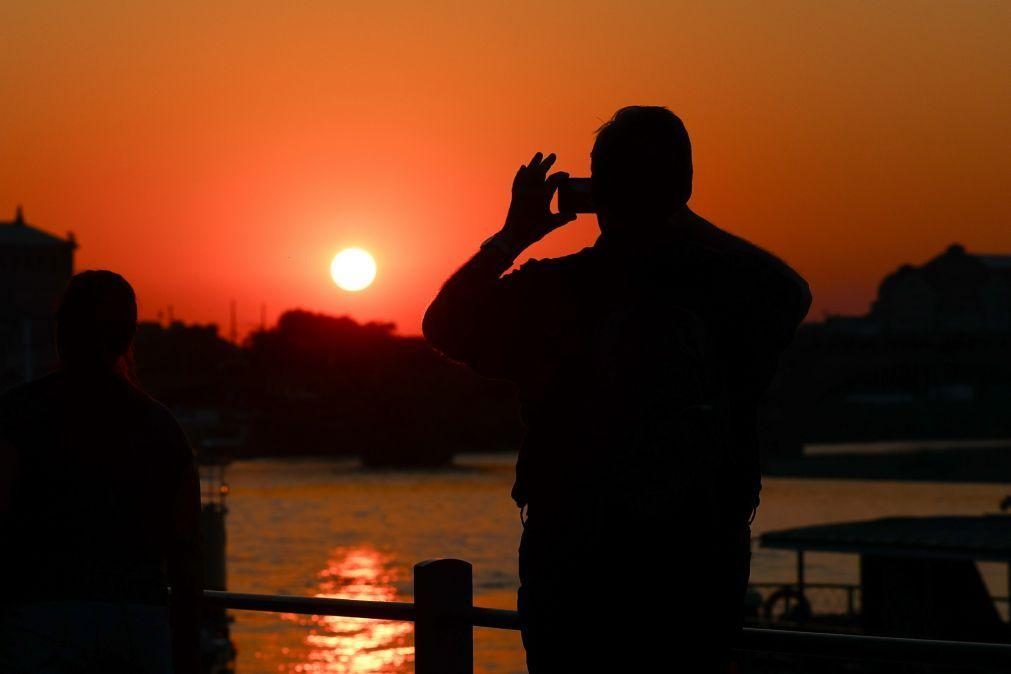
(984,537)
(954,293)
(17,232)
(996,261)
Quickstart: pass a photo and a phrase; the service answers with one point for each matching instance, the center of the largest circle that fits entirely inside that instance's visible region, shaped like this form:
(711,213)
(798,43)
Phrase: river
(330,528)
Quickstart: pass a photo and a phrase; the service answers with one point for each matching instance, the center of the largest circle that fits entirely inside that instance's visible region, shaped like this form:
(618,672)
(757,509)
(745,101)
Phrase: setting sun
(353,269)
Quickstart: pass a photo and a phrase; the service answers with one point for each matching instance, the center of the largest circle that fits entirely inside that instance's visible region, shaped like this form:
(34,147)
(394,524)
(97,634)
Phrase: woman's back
(98,466)
(99,506)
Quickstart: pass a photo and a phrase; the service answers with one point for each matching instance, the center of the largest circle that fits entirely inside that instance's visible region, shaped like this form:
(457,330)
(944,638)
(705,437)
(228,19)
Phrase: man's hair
(96,320)
(642,155)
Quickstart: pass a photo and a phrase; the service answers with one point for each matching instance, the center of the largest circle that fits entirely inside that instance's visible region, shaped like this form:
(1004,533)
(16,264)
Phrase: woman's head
(96,321)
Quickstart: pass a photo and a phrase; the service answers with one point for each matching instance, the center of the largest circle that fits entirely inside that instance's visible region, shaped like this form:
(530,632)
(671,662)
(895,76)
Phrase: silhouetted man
(640,363)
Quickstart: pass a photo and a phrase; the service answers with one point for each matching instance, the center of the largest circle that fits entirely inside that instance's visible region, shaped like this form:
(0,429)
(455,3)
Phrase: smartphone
(575,196)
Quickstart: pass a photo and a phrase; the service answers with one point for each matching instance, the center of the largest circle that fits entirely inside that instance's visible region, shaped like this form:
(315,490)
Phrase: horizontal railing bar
(347,608)
(496,618)
(885,649)
(819,644)
(832,586)
(820,586)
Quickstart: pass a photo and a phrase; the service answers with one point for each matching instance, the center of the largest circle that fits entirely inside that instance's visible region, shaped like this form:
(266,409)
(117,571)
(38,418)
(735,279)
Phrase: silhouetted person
(640,362)
(99,507)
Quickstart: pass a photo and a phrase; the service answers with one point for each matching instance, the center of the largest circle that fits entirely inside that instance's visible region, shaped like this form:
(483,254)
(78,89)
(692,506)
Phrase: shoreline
(984,465)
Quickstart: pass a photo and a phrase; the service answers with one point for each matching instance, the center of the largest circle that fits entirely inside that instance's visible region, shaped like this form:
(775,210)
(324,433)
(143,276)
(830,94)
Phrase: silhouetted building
(955,293)
(932,359)
(34,269)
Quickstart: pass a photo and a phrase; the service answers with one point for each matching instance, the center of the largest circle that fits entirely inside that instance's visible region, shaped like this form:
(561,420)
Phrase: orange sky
(211,151)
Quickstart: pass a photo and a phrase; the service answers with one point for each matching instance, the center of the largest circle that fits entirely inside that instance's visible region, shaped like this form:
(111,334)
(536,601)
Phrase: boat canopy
(983,537)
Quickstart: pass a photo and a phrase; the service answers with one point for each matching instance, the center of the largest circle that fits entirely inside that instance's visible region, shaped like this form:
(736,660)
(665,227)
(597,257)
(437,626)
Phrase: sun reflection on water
(353,645)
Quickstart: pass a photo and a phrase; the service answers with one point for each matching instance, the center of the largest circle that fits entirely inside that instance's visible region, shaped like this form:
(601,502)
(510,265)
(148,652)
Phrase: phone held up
(575,196)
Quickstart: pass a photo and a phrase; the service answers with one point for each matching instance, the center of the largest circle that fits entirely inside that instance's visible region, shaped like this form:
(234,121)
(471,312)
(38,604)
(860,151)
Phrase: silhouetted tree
(318,384)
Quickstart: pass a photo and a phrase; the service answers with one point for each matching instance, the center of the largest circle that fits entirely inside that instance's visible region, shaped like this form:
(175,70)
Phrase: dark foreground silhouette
(640,363)
(99,507)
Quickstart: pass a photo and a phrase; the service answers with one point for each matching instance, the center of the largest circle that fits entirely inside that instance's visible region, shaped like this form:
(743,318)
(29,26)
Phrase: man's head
(641,165)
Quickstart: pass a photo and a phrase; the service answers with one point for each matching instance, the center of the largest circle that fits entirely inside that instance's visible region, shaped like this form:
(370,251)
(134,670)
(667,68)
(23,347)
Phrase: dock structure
(918,575)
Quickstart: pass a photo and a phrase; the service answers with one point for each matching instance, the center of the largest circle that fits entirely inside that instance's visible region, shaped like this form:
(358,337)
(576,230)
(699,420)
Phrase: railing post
(443,640)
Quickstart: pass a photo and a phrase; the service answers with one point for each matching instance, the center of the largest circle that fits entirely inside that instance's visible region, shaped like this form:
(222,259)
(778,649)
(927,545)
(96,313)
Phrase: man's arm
(472,316)
(453,322)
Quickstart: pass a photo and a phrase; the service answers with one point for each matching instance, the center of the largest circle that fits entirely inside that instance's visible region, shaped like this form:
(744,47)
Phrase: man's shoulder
(718,242)
(750,271)
(745,256)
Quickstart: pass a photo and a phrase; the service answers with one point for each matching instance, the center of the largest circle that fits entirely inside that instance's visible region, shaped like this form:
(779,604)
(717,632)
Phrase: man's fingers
(531,177)
(541,169)
(556,179)
(547,163)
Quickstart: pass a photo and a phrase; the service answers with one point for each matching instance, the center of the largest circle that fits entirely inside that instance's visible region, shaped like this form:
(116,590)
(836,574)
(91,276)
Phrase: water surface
(330,528)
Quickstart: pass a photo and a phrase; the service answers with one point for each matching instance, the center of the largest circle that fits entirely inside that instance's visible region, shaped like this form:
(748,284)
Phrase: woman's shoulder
(156,414)
(158,422)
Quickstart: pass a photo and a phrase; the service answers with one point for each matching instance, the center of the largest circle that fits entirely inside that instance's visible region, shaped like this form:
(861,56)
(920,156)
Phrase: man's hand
(530,218)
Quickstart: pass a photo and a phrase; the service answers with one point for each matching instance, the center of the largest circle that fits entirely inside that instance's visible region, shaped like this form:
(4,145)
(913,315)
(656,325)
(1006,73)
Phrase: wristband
(499,243)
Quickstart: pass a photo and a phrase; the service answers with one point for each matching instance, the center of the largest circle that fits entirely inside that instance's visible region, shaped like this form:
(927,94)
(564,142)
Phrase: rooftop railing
(444,619)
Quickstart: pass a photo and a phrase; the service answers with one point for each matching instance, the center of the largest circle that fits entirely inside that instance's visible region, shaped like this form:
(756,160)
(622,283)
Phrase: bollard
(443,636)
(214,535)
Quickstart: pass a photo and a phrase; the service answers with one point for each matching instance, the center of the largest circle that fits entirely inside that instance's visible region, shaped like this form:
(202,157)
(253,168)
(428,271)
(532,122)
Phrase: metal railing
(786,601)
(815,602)
(444,618)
